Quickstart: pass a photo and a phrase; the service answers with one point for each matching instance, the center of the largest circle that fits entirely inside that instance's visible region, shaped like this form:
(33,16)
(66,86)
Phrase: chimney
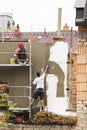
(58,37)
(59,22)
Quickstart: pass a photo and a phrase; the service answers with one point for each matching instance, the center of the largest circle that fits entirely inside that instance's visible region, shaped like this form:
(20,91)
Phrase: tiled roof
(41,37)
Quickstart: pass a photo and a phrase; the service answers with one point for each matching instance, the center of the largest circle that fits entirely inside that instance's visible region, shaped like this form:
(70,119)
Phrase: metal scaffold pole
(30,75)
(70,70)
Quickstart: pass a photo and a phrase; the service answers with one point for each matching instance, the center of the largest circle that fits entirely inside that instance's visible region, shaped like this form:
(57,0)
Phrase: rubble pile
(44,117)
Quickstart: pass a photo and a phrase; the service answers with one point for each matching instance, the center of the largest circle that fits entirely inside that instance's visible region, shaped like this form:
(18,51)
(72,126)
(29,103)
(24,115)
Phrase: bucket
(12,60)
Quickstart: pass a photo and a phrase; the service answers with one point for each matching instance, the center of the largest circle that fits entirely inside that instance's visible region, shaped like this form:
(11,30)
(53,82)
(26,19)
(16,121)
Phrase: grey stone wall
(38,127)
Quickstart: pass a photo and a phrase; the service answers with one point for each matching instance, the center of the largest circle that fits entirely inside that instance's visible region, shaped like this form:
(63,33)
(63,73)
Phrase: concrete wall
(19,76)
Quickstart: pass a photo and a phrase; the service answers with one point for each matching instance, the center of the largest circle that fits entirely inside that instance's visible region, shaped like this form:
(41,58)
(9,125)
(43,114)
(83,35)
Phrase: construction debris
(44,117)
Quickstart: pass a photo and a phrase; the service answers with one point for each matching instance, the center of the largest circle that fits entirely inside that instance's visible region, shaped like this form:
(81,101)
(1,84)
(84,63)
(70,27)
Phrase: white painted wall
(58,54)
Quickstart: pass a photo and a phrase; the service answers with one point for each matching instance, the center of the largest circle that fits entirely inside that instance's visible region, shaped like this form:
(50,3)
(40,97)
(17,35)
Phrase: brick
(82,96)
(82,49)
(82,86)
(82,77)
(81,59)
(82,28)
(82,68)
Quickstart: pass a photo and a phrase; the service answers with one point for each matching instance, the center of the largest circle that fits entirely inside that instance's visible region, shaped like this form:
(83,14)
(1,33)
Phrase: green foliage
(10,112)
(3,124)
(4,96)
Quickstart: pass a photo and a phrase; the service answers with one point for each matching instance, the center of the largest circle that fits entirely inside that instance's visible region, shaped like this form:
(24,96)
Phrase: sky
(35,15)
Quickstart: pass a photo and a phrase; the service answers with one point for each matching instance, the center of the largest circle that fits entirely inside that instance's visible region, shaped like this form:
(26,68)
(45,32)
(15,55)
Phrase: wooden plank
(82,28)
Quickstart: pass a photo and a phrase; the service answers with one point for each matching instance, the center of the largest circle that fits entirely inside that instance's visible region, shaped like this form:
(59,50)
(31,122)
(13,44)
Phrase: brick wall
(82,85)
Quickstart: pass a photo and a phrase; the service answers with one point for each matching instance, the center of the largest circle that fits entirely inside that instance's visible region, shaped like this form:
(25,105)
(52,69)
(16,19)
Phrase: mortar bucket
(12,60)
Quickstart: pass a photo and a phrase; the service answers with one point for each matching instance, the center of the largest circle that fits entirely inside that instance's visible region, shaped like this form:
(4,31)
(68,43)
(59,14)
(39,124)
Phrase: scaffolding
(29,86)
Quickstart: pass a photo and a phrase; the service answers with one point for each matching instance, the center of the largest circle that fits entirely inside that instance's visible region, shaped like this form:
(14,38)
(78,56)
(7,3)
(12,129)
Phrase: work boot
(42,108)
(31,111)
(31,107)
